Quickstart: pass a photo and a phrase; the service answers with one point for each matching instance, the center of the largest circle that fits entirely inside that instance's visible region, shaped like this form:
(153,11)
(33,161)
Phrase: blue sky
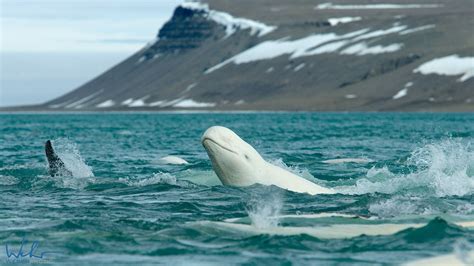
(49,47)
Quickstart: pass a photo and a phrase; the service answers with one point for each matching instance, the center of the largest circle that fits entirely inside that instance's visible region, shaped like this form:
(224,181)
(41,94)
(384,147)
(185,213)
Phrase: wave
(410,232)
(157,178)
(463,254)
(445,168)
(6,180)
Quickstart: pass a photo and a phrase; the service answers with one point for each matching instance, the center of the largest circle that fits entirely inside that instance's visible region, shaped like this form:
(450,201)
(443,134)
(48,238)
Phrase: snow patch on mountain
(106,104)
(190,103)
(379,33)
(59,105)
(316,44)
(451,65)
(417,29)
(128,101)
(81,103)
(231,24)
(343,20)
(363,49)
(403,92)
(188,88)
(376,6)
(138,103)
(299,67)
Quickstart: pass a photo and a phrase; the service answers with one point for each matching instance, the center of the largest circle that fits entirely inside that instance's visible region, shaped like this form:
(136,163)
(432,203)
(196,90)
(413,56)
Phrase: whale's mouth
(215,142)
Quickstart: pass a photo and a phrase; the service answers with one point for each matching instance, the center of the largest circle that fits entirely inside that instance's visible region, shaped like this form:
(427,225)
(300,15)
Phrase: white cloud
(81,26)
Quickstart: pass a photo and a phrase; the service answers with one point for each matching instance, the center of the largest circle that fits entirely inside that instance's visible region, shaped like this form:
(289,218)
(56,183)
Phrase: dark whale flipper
(56,165)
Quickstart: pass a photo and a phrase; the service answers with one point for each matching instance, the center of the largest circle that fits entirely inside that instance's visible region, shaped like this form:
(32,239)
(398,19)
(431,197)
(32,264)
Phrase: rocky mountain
(296,55)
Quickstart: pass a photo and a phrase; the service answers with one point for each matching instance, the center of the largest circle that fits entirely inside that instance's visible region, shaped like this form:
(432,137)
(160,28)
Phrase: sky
(50,47)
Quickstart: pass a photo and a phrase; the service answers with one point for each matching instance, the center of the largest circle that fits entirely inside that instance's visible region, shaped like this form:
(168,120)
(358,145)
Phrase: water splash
(303,172)
(70,155)
(265,207)
(401,205)
(157,178)
(464,251)
(444,168)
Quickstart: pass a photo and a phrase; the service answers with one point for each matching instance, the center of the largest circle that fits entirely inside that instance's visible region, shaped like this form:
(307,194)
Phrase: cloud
(81,26)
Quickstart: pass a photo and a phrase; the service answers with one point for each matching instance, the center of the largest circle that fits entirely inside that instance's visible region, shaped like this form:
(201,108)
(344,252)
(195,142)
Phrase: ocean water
(411,197)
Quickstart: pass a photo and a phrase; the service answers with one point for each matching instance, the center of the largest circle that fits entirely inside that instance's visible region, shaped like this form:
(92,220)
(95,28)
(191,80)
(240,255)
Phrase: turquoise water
(122,206)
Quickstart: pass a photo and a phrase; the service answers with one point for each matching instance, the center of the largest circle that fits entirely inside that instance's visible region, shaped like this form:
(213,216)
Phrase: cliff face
(187,29)
(296,55)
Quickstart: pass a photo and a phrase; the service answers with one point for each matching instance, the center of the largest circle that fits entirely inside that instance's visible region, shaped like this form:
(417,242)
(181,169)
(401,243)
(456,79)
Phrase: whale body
(237,163)
(55,165)
(172,160)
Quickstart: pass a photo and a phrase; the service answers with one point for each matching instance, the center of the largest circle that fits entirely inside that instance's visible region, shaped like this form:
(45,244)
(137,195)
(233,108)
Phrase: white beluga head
(235,162)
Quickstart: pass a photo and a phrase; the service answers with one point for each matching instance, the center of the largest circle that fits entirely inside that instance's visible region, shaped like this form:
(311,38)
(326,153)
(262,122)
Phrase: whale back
(280,177)
(55,165)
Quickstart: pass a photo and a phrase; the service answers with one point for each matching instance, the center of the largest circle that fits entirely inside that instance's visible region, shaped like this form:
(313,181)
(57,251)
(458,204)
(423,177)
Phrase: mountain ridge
(298,55)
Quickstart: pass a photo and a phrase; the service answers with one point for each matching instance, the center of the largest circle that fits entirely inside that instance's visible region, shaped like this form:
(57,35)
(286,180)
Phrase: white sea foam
(451,65)
(6,180)
(157,178)
(401,205)
(264,208)
(442,169)
(347,160)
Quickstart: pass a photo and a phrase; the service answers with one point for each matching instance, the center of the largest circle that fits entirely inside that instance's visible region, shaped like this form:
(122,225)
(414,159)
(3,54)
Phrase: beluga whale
(55,165)
(238,164)
(67,162)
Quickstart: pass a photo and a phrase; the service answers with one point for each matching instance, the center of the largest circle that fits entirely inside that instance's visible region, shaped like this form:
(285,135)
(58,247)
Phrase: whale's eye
(246,157)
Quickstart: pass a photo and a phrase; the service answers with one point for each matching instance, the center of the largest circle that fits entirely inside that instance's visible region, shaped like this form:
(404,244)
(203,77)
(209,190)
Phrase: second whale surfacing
(237,163)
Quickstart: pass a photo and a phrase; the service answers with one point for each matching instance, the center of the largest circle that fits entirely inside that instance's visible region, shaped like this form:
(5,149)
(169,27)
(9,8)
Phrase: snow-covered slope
(296,55)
